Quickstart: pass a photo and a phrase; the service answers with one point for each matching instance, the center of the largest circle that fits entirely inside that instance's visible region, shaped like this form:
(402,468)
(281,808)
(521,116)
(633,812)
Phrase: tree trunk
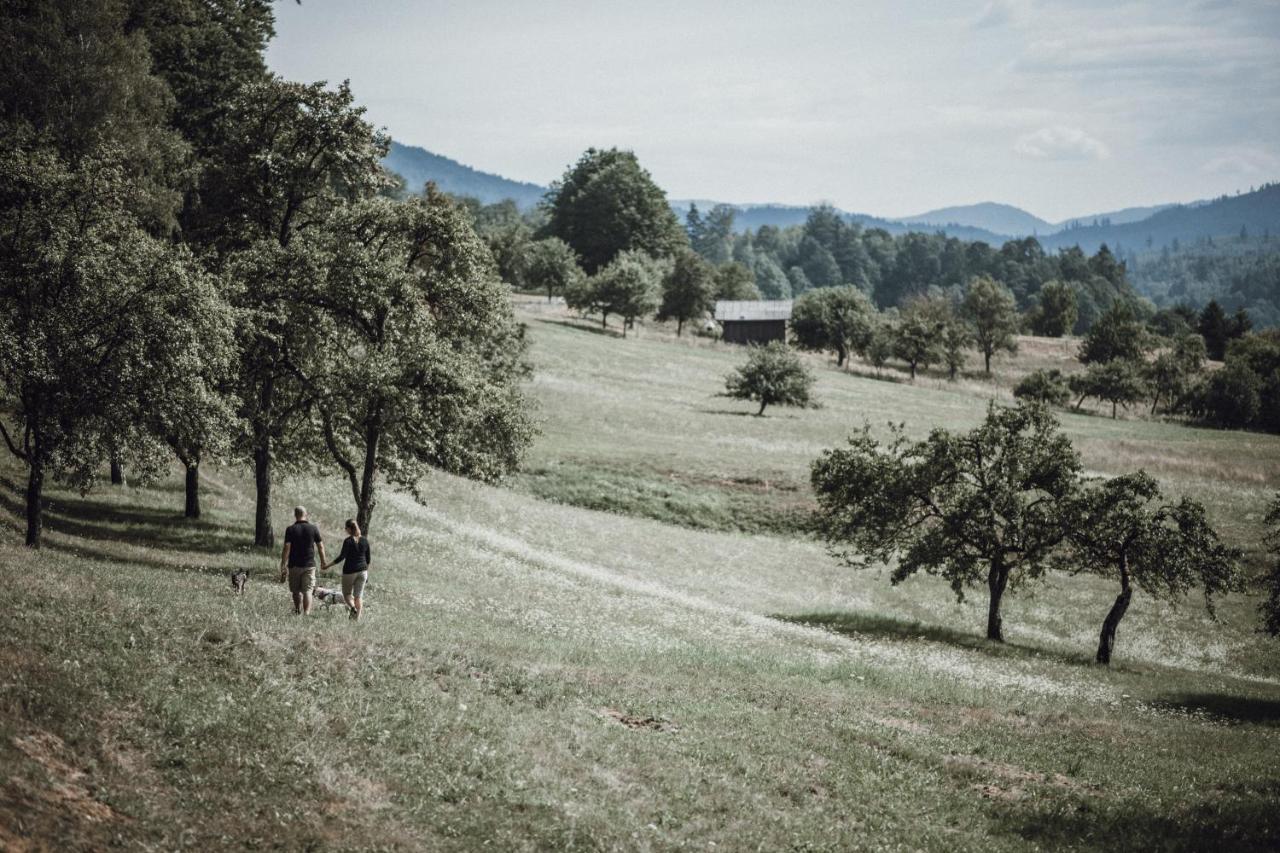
(1113,410)
(679,327)
(604,320)
(762,405)
(986,358)
(193,490)
(117,473)
(368,481)
(997,579)
(913,371)
(841,355)
(263,535)
(35,512)
(1107,639)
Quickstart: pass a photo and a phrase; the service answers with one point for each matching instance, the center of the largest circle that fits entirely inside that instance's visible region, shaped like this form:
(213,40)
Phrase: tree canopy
(986,505)
(774,375)
(606,204)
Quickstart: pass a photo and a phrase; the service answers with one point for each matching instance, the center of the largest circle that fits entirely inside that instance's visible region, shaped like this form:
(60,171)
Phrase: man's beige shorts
(353,584)
(302,580)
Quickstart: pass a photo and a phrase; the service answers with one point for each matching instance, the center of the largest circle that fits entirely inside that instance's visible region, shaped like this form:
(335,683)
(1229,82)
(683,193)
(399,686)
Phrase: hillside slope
(536,676)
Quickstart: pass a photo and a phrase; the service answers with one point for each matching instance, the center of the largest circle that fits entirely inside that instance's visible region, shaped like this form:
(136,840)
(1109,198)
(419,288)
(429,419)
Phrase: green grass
(536,675)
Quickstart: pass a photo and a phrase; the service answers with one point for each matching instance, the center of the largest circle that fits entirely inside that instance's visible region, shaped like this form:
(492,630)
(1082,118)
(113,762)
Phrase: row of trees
(1163,361)
(937,328)
(1003,503)
(197,259)
(829,251)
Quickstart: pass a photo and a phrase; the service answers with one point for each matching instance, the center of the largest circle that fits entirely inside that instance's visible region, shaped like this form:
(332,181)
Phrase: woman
(355,568)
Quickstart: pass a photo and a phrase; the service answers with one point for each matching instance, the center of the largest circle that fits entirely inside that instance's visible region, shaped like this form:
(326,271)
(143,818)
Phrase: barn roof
(753,309)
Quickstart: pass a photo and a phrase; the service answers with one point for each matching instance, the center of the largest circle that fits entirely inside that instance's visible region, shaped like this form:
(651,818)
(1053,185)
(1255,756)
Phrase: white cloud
(999,13)
(1061,143)
(1243,161)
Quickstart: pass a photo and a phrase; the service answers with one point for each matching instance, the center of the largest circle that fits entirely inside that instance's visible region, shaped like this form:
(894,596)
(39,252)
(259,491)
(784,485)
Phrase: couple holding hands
(298,562)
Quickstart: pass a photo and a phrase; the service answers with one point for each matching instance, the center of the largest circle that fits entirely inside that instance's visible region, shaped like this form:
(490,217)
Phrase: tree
(607,204)
(917,340)
(299,151)
(98,316)
(426,356)
(880,347)
(1214,328)
(1170,374)
(1122,527)
(774,375)
(96,308)
(1055,314)
(551,265)
(771,281)
(1230,397)
(688,290)
(1118,382)
(735,282)
(1044,386)
(993,313)
(628,287)
(984,505)
(1270,608)
(1116,336)
(840,319)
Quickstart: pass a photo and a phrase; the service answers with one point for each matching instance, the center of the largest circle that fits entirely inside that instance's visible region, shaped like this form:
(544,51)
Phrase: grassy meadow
(556,665)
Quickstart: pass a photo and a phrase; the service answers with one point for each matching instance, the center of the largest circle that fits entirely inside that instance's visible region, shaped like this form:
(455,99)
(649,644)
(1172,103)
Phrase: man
(298,559)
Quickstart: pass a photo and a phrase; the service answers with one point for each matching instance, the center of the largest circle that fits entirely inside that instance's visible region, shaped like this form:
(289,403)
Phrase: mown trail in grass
(635,426)
(536,676)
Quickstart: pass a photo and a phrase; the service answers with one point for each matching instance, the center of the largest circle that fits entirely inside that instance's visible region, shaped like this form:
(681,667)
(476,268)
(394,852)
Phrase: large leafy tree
(299,151)
(1056,310)
(734,281)
(688,289)
(986,505)
(917,340)
(425,357)
(839,319)
(1116,336)
(774,375)
(1123,528)
(992,312)
(606,204)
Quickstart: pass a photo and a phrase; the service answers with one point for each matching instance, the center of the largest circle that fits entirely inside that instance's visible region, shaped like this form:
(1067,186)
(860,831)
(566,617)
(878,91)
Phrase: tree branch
(12,447)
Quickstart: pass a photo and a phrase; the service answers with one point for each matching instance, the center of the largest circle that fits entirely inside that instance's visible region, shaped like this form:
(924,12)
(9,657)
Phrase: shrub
(1044,386)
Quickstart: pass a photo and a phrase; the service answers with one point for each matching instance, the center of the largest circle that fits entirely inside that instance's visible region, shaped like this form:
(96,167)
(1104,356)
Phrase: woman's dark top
(354,556)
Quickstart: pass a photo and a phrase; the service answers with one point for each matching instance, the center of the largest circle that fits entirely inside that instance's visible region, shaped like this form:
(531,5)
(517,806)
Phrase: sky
(888,107)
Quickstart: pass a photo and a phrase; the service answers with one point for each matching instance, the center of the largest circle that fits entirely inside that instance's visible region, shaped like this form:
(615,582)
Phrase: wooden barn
(756,321)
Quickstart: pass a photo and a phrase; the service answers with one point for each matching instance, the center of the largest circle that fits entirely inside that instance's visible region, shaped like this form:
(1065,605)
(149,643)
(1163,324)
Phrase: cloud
(999,13)
(1061,143)
(1242,161)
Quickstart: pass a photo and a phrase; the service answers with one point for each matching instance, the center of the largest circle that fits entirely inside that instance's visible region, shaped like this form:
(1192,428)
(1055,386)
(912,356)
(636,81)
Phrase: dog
(328,597)
(238,580)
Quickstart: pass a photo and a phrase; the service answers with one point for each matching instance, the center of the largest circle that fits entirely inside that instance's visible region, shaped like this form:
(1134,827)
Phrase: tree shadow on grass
(585,327)
(104,521)
(1244,817)
(1233,709)
(725,412)
(892,628)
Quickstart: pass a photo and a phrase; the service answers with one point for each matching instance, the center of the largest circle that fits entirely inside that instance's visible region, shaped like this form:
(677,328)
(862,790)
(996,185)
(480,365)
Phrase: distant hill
(1257,213)
(988,216)
(1116,217)
(752,216)
(417,166)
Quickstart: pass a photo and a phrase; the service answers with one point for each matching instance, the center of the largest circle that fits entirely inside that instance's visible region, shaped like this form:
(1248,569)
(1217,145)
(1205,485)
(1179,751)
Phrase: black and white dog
(238,580)
(328,597)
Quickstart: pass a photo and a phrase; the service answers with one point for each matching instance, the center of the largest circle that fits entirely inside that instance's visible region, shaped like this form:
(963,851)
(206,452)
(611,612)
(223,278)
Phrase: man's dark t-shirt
(302,537)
